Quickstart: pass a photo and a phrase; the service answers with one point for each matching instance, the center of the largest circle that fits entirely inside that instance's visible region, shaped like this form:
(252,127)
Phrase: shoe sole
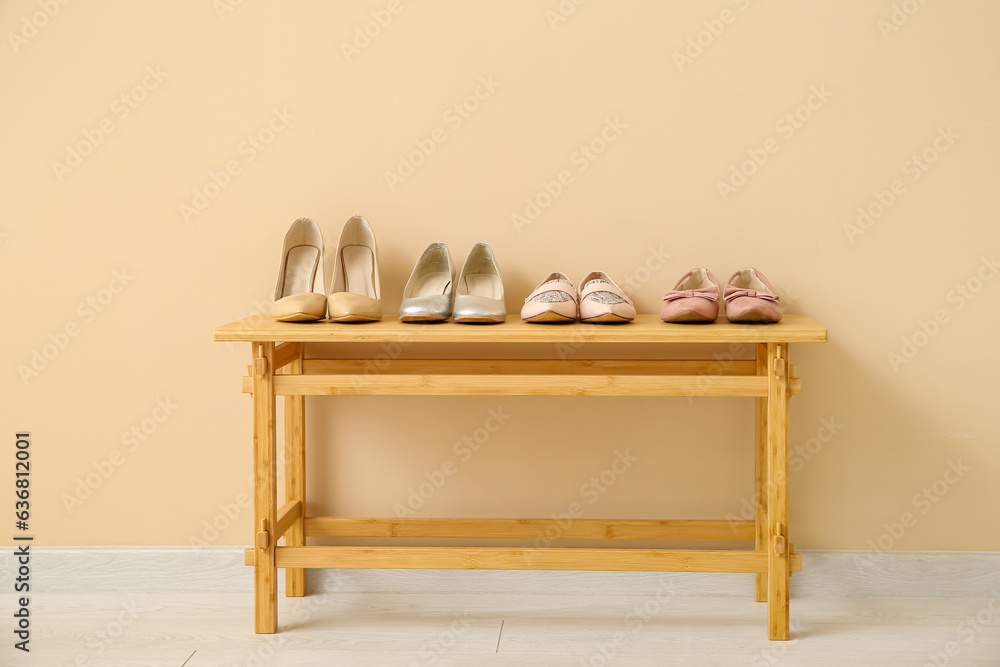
(608,318)
(478,320)
(753,317)
(422,318)
(298,317)
(690,318)
(550,316)
(355,318)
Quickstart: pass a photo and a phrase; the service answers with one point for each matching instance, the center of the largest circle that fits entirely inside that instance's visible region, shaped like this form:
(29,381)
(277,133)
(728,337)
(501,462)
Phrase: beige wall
(111,228)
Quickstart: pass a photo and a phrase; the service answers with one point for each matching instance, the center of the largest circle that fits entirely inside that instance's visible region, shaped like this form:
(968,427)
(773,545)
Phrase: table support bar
(488,558)
(355,384)
(544,529)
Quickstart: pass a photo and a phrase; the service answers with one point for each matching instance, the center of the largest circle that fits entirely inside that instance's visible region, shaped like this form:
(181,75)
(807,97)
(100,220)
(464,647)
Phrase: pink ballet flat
(695,298)
(751,299)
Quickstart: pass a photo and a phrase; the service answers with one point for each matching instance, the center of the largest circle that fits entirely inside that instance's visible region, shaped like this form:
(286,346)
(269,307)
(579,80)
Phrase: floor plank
(384,629)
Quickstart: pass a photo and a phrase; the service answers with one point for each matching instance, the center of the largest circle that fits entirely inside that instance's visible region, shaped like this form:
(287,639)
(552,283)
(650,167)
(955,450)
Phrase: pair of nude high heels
(301,292)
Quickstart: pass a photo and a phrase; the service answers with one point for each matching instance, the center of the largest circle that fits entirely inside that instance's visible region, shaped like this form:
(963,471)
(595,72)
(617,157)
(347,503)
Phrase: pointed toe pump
(427,295)
(299,295)
(479,296)
(354,296)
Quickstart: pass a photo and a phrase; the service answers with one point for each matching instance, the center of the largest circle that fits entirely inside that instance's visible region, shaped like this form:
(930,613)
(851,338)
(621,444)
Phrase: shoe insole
(484,284)
(301,262)
(359,270)
(748,280)
(431,284)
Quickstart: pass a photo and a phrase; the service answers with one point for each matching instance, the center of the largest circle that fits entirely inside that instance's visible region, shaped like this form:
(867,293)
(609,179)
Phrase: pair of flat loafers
(598,299)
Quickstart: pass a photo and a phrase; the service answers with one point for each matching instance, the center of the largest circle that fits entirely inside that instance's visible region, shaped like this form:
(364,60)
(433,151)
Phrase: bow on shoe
(708,295)
(733,293)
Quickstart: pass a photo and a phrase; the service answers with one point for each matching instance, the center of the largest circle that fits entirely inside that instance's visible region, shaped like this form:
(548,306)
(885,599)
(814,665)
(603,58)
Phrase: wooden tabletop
(646,328)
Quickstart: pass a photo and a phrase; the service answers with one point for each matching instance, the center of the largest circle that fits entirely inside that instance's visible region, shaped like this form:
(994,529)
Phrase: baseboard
(930,574)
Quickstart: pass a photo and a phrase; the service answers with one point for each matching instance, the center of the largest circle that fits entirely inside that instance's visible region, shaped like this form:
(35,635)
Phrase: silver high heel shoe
(300,293)
(479,297)
(427,295)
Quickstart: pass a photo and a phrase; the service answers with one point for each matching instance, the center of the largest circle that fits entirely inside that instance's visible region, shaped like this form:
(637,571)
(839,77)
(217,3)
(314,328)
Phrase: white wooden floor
(386,630)
(653,621)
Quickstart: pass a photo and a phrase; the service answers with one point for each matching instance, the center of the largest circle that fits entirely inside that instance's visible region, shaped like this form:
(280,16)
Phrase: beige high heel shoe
(300,293)
(354,296)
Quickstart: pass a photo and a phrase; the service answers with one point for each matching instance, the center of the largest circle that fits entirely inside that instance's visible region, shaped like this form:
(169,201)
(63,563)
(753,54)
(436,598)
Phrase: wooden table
(281,367)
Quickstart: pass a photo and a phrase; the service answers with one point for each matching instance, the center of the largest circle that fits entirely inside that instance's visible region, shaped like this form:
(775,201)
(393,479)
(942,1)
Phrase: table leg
(760,473)
(265,575)
(295,476)
(777,491)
